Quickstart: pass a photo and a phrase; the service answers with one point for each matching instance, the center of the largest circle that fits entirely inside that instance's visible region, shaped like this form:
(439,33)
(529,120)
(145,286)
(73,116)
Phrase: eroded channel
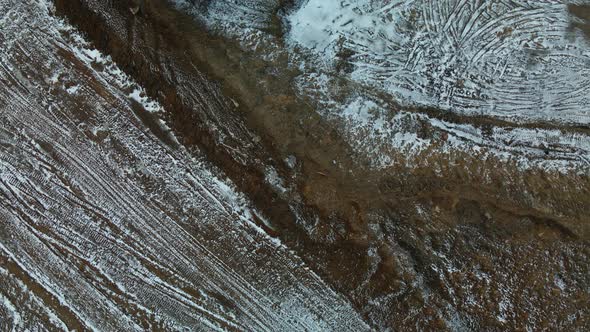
(405,239)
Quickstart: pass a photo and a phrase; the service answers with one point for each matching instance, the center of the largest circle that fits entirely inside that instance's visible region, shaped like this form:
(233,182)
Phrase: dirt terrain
(109,223)
(212,186)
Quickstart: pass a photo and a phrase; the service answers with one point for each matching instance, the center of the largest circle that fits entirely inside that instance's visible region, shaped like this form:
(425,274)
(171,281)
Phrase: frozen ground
(522,62)
(519,60)
(107,223)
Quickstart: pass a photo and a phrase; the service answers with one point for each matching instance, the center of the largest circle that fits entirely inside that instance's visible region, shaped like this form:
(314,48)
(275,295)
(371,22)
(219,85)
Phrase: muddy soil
(436,241)
(582,14)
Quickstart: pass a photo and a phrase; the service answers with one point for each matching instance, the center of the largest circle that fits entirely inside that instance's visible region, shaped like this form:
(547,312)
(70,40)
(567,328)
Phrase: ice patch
(73,89)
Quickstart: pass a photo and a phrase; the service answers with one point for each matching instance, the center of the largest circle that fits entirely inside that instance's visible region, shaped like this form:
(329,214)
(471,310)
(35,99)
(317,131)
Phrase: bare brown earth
(109,224)
(582,12)
(449,241)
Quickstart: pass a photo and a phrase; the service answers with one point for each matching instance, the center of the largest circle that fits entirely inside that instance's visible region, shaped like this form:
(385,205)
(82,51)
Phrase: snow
(273,178)
(140,96)
(313,25)
(16,317)
(517,60)
(125,218)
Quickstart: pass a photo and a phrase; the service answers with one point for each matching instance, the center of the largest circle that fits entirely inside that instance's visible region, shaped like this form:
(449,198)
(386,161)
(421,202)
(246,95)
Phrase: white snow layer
(519,59)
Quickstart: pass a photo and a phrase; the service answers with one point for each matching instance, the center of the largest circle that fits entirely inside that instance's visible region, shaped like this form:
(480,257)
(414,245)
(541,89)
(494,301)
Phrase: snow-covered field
(105,225)
(113,218)
(521,62)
